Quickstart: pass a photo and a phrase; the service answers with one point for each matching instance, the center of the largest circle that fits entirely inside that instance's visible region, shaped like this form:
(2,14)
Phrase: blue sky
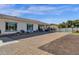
(49,13)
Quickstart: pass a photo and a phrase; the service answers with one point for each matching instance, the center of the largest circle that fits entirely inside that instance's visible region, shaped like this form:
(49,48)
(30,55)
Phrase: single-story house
(12,24)
(53,26)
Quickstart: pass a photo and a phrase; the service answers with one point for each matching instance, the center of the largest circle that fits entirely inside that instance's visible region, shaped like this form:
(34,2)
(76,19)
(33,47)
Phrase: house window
(29,27)
(11,26)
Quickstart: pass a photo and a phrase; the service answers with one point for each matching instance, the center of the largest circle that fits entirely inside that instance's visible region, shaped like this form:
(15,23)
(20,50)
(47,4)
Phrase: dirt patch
(67,45)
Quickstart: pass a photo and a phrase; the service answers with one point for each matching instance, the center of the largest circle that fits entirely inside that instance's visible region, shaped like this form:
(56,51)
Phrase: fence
(68,29)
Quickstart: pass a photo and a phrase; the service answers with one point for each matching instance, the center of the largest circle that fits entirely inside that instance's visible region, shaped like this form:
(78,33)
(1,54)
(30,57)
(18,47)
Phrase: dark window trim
(31,25)
(7,29)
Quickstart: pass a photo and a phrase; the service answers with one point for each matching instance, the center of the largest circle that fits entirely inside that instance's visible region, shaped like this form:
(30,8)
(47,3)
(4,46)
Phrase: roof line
(21,19)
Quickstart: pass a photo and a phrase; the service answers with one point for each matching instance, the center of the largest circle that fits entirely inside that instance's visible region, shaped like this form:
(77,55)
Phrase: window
(29,27)
(11,26)
(40,26)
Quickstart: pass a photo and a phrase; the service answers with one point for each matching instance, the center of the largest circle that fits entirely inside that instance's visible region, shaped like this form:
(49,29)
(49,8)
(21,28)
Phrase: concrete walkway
(29,46)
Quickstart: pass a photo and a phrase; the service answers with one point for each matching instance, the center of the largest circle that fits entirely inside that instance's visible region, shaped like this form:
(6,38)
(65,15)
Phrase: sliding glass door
(10,26)
(29,27)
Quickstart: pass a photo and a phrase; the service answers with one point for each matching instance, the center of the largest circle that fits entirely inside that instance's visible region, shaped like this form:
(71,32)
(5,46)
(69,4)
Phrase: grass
(74,33)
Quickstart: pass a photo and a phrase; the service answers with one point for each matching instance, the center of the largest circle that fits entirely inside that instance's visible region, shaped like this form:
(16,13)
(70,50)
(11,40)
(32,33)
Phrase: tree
(70,24)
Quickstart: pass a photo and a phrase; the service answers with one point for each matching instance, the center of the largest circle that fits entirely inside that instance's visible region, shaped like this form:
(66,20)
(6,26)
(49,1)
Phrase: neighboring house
(54,26)
(12,24)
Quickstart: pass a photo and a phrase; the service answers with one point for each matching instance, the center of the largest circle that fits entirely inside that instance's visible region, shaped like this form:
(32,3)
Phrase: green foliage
(69,24)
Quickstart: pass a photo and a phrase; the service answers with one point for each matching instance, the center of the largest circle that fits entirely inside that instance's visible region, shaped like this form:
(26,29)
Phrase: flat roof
(2,16)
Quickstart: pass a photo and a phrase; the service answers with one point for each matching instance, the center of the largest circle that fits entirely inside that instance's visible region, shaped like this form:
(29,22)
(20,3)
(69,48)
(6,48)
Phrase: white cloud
(41,8)
(8,10)
(37,10)
(76,9)
(2,6)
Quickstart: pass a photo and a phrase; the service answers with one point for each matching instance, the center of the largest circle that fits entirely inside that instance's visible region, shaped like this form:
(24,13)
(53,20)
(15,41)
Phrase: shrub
(77,31)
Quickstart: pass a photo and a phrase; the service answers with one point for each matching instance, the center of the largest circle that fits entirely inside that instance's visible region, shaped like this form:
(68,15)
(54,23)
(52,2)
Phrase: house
(12,24)
(54,26)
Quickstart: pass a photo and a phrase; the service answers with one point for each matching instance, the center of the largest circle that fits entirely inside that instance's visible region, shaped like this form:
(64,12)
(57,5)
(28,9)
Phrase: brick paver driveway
(29,46)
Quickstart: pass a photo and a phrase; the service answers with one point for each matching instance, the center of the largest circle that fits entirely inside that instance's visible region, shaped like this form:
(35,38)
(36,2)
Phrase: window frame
(8,27)
(29,28)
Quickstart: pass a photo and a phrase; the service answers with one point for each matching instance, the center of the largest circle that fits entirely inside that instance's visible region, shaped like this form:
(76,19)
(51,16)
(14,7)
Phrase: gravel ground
(67,45)
(29,46)
(13,37)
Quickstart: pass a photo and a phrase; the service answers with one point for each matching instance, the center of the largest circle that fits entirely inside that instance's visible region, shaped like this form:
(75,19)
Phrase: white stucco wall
(2,27)
(35,27)
(21,26)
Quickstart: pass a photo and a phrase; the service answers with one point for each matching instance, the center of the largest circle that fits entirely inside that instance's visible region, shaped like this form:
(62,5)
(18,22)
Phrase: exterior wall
(35,27)
(21,26)
(2,28)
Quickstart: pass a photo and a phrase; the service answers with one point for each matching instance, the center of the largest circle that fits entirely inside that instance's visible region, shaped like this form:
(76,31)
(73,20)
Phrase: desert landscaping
(30,46)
